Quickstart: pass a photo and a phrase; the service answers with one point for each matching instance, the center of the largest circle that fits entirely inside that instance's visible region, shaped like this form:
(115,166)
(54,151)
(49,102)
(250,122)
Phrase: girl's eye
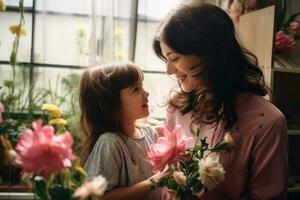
(136,89)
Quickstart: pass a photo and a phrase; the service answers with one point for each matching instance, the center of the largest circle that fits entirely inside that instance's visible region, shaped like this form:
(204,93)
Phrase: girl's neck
(130,130)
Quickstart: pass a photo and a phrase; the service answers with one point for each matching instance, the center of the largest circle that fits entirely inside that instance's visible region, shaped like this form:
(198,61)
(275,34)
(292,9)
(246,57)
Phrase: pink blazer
(259,167)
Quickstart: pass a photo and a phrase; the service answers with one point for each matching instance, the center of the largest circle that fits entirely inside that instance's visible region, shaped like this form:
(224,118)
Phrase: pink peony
(168,148)
(42,152)
(235,11)
(283,43)
(294,28)
(251,4)
(1,111)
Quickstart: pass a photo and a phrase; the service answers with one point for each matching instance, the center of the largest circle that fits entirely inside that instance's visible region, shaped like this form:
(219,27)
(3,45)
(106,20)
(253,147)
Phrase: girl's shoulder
(110,140)
(149,132)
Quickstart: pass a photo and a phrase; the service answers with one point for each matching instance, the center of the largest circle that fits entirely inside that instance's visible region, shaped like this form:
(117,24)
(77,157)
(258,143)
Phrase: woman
(222,90)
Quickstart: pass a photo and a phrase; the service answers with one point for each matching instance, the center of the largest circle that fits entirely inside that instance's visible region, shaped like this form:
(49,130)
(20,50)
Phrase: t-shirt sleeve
(106,160)
(152,132)
(270,163)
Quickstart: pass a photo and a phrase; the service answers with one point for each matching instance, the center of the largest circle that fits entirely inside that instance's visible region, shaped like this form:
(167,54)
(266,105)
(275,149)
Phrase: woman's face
(180,65)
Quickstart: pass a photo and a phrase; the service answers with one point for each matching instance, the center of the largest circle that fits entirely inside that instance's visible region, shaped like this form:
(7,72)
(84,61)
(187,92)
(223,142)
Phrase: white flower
(26,178)
(211,171)
(229,139)
(95,187)
(179,178)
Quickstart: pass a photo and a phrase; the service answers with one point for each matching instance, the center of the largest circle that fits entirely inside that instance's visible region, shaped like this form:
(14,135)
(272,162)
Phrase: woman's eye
(175,59)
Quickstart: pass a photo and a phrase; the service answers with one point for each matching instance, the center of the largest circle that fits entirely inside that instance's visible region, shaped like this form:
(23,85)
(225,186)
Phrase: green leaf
(58,193)
(77,177)
(40,188)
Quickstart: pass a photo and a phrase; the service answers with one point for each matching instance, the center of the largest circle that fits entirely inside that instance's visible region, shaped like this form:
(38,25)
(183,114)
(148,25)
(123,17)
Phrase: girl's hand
(165,172)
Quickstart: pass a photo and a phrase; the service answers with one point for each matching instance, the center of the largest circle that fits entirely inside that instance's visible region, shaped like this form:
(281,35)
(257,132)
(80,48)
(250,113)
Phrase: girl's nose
(146,94)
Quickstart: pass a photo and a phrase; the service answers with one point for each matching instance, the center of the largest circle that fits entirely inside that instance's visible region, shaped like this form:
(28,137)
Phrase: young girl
(112,98)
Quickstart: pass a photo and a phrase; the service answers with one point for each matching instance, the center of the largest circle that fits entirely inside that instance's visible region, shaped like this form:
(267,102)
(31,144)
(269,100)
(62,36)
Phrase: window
(65,36)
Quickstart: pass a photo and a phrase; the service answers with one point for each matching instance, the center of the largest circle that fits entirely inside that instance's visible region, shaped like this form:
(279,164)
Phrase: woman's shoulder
(250,105)
(256,113)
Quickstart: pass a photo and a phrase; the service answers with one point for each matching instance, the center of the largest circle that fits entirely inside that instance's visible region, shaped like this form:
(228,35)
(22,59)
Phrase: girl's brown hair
(99,100)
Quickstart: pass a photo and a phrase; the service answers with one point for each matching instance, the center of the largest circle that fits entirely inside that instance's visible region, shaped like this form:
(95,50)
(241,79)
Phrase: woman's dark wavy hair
(99,100)
(226,68)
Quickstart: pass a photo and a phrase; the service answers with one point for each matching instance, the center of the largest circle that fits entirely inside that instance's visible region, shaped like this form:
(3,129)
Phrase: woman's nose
(171,69)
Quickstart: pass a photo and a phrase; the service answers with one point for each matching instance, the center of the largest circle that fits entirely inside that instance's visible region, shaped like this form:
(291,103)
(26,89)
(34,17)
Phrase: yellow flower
(18,29)
(58,122)
(2,5)
(81,170)
(52,110)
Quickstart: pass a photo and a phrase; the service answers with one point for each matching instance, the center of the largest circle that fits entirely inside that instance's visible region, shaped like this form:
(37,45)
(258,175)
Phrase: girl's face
(134,101)
(180,65)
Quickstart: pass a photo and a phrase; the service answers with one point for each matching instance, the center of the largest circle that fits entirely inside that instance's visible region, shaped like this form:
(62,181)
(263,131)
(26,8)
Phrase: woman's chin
(185,88)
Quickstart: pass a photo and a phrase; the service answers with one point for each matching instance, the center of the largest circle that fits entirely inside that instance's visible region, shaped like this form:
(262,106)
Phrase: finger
(165,169)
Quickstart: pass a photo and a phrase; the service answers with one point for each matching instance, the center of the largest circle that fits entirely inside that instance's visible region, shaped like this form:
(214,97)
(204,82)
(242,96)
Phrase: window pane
(144,54)
(68,42)
(7,38)
(158,86)
(65,6)
(26,3)
(102,7)
(20,84)
(63,43)
(150,15)
(58,86)
(156,9)
(5,72)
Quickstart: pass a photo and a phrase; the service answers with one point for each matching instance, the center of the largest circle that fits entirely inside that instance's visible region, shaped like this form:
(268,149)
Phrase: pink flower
(42,152)
(168,148)
(284,43)
(1,111)
(294,28)
(235,10)
(252,4)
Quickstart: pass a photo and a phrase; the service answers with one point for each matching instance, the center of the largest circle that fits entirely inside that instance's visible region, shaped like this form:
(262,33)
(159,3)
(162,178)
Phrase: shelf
(293,132)
(289,64)
(287,70)
(17,195)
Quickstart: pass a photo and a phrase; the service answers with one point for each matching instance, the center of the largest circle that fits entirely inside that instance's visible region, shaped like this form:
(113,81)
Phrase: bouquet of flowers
(48,163)
(192,170)
(285,40)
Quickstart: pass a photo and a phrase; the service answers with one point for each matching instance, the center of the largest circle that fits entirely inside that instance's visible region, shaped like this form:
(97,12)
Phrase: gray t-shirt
(120,159)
